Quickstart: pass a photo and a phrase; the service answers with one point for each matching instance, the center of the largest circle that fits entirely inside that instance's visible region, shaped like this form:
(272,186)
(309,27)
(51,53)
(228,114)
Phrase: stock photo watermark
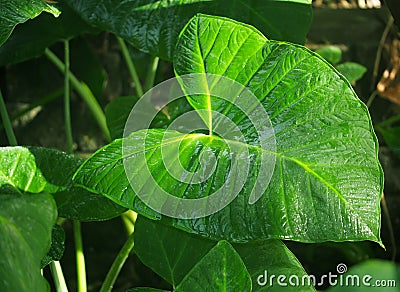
(340,278)
(208,93)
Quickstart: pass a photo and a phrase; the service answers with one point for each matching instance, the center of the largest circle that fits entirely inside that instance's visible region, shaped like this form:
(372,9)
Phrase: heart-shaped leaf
(26,223)
(172,253)
(153,26)
(327,180)
(221,269)
(19,11)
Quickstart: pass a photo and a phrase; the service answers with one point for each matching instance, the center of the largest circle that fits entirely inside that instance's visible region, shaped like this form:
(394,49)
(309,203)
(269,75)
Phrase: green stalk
(84,91)
(7,123)
(80,258)
(67,111)
(117,264)
(131,67)
(151,74)
(58,276)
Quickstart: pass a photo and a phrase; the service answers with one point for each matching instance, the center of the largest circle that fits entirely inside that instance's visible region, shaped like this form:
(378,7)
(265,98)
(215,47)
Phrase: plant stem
(117,264)
(151,74)
(67,111)
(7,123)
(58,276)
(80,258)
(84,92)
(131,67)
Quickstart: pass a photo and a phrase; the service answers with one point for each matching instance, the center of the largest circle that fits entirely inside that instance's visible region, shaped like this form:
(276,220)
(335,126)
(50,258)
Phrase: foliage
(304,134)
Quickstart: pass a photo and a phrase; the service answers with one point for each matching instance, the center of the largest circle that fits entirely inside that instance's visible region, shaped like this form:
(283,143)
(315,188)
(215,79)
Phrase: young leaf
(332,54)
(153,26)
(221,269)
(172,253)
(352,71)
(18,11)
(25,227)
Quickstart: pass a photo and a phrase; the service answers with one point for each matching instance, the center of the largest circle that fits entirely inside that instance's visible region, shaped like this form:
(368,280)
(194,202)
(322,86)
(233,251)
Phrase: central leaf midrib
(244,145)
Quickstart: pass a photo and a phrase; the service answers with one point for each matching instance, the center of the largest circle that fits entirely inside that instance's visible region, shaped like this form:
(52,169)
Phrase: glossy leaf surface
(221,269)
(153,26)
(14,12)
(327,180)
(26,223)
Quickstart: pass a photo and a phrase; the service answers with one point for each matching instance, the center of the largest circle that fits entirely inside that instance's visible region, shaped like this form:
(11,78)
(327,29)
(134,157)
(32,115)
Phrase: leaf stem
(58,276)
(67,111)
(80,258)
(118,264)
(131,67)
(151,74)
(85,92)
(390,227)
(7,123)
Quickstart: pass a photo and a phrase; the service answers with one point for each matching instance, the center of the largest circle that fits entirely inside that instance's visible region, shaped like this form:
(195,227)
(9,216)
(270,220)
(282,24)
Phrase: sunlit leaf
(326,182)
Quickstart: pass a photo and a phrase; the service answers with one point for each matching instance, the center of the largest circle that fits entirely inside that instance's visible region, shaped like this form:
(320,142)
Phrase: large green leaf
(25,225)
(327,181)
(172,253)
(14,12)
(221,269)
(153,26)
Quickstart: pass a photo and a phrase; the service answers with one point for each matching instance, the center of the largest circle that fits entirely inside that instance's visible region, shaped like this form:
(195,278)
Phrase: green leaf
(30,39)
(153,26)
(263,259)
(327,180)
(352,71)
(221,269)
(332,54)
(76,203)
(32,172)
(372,275)
(57,246)
(25,225)
(169,252)
(37,169)
(172,253)
(14,12)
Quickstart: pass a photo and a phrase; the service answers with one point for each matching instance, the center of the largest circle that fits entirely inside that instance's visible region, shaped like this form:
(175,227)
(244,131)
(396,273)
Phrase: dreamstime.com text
(332,279)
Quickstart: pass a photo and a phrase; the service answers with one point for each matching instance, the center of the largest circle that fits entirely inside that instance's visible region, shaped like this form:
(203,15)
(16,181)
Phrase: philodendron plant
(326,183)
(298,161)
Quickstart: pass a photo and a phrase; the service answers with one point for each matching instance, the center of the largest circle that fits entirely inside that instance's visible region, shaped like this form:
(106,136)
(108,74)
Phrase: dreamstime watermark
(229,121)
(332,279)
